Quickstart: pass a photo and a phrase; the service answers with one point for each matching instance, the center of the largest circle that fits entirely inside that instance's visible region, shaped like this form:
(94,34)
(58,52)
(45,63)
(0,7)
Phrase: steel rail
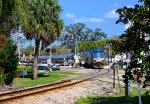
(47,87)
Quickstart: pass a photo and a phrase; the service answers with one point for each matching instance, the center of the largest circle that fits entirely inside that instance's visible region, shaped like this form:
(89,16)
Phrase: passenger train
(93,58)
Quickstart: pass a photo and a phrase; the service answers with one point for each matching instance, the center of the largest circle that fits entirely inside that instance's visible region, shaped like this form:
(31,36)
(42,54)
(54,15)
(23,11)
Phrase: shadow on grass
(30,75)
(119,100)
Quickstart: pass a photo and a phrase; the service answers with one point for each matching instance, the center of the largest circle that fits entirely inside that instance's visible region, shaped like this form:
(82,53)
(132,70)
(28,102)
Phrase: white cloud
(70,15)
(80,20)
(86,19)
(111,14)
(96,20)
(130,6)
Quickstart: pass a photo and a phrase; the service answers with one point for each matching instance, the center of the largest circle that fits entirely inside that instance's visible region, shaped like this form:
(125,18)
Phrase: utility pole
(18,41)
(18,45)
(109,54)
(50,57)
(75,51)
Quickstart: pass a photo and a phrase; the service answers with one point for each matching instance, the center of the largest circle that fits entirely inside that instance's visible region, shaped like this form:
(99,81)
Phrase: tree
(29,49)
(139,17)
(8,62)
(73,33)
(89,45)
(40,20)
(118,45)
(98,34)
(88,34)
(76,30)
(6,18)
(8,57)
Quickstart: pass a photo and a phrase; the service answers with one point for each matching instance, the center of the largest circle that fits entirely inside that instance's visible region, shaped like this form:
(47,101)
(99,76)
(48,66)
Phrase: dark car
(55,67)
(42,68)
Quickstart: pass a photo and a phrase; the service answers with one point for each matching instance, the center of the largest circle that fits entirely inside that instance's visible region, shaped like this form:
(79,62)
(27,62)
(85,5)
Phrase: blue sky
(95,13)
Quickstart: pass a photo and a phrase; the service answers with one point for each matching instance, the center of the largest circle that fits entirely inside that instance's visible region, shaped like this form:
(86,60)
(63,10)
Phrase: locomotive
(93,58)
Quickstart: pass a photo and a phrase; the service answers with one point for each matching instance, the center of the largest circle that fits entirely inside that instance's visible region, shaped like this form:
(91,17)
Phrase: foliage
(40,20)
(29,49)
(139,19)
(28,68)
(6,18)
(2,76)
(2,38)
(98,34)
(89,45)
(117,44)
(79,32)
(8,61)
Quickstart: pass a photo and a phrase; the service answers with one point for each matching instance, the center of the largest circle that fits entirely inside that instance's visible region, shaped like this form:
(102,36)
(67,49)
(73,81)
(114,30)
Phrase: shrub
(2,77)
(8,61)
(28,68)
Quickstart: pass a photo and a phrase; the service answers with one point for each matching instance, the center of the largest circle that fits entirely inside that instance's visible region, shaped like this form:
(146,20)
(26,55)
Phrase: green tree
(6,19)
(8,62)
(76,30)
(73,33)
(89,45)
(99,35)
(118,44)
(88,34)
(40,20)
(134,36)
(29,49)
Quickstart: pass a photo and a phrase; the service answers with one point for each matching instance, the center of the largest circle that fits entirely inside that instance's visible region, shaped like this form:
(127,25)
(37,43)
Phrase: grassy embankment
(116,98)
(43,78)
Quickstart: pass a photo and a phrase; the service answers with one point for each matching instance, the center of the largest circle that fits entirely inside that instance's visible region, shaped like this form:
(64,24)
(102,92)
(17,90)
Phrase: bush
(28,68)
(2,77)
(8,61)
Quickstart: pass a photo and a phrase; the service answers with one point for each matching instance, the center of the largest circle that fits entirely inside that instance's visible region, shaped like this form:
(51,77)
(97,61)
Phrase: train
(89,59)
(94,58)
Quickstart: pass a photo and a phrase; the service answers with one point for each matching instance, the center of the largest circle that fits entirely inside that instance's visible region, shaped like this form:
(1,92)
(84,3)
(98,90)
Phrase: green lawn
(43,78)
(116,99)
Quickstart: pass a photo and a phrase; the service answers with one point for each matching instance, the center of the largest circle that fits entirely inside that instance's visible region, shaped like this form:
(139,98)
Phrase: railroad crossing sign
(53,50)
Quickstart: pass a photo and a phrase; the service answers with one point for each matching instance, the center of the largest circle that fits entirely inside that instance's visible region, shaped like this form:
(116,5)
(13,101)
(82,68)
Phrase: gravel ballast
(93,87)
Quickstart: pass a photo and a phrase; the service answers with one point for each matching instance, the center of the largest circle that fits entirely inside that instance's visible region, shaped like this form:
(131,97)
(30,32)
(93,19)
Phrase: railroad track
(47,87)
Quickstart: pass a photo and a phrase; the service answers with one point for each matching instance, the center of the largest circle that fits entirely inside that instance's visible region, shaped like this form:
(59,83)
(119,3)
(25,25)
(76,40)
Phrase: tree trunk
(37,43)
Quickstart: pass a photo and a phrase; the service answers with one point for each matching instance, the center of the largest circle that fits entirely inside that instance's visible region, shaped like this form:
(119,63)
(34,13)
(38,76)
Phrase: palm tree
(40,20)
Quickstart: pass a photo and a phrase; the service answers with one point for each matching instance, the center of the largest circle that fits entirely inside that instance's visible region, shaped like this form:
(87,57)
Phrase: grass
(116,98)
(43,78)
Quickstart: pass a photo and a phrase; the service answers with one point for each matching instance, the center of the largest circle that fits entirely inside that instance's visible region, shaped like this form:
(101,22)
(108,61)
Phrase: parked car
(53,67)
(42,68)
(66,64)
(43,64)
